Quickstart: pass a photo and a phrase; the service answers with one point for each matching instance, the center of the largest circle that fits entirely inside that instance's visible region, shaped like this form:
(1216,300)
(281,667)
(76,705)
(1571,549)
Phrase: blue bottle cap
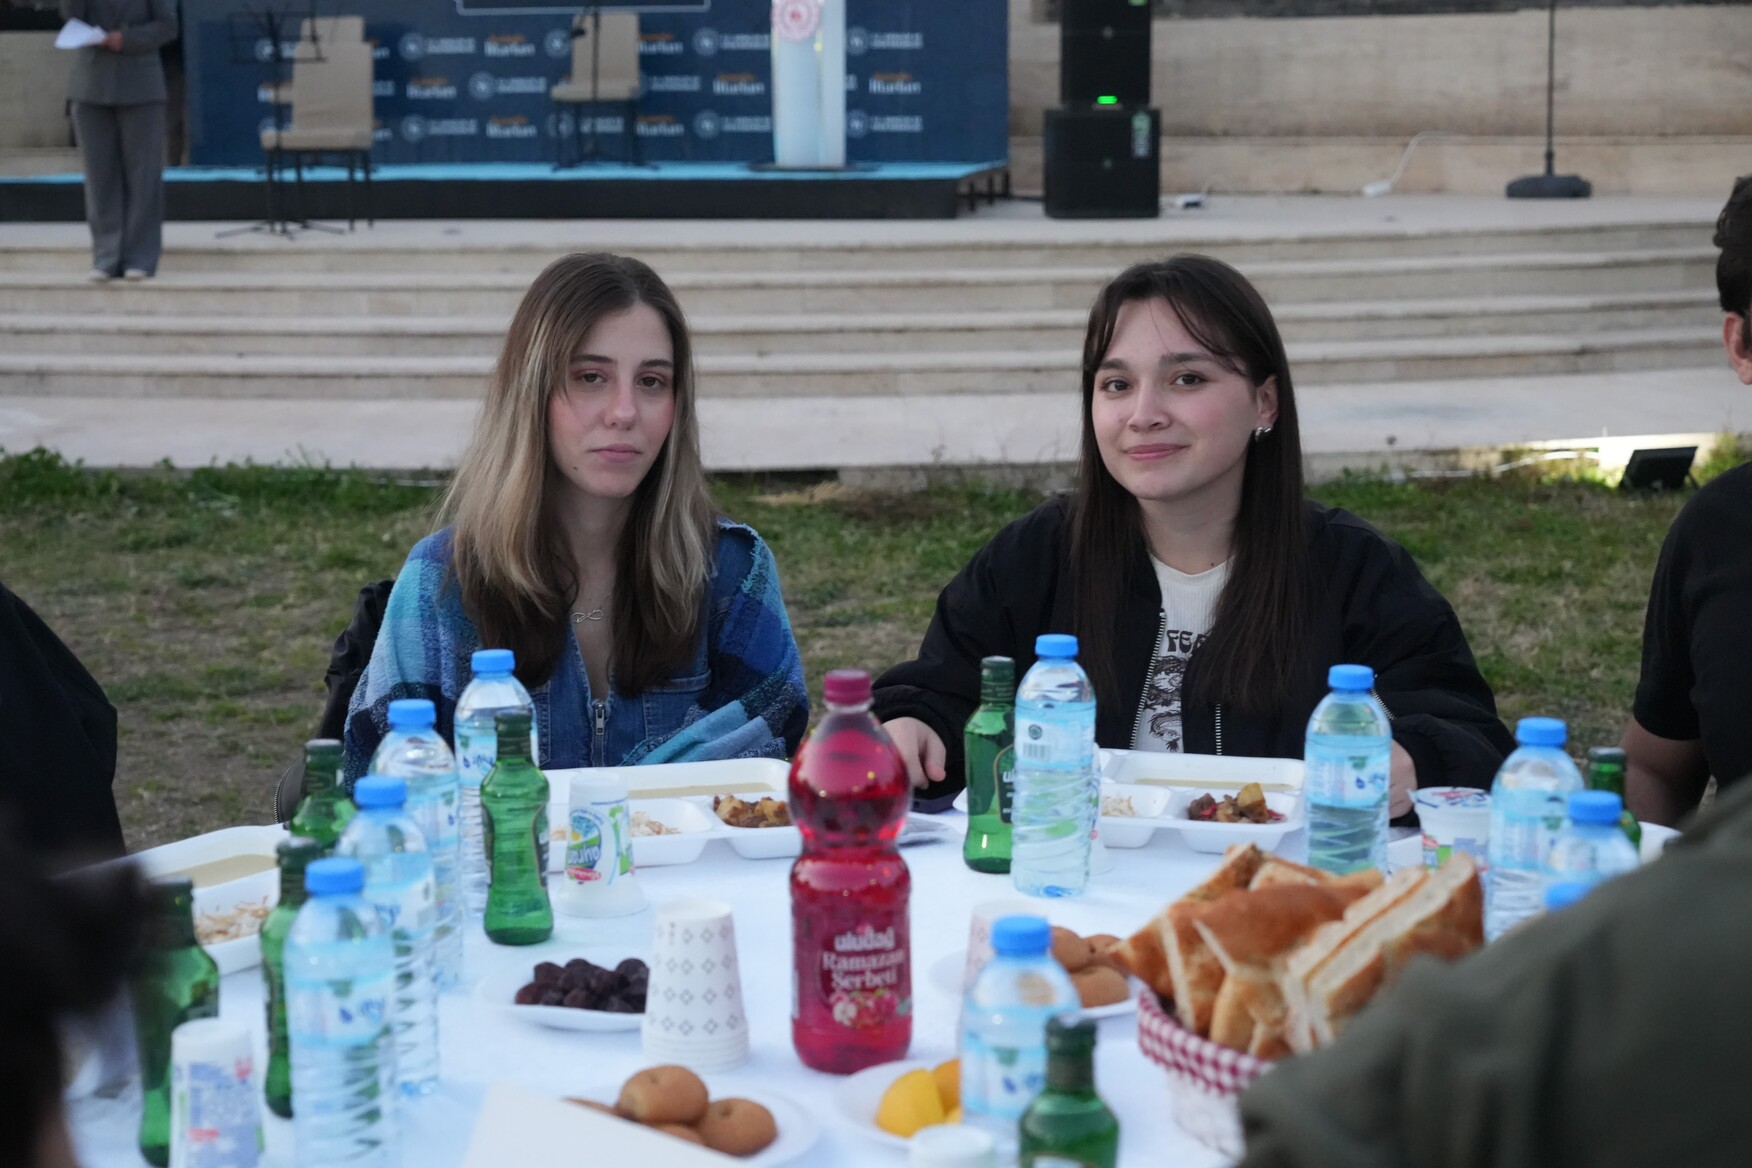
(493,661)
(1056,646)
(1563,895)
(335,876)
(1541,732)
(412,714)
(380,791)
(1351,678)
(1595,806)
(1021,936)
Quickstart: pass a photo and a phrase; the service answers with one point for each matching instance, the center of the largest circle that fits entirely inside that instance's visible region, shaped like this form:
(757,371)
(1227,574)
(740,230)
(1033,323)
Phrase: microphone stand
(1550,185)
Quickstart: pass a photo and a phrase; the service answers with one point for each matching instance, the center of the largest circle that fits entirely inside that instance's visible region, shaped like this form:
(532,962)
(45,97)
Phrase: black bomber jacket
(1371,606)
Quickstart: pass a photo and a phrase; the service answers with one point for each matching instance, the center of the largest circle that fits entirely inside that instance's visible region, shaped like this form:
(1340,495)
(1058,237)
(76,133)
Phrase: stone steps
(761,335)
(847,374)
(1014,288)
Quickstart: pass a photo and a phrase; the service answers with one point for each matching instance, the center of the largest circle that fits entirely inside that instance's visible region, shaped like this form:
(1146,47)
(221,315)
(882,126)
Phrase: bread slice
(1276,871)
(1231,1021)
(1144,953)
(1443,914)
(1193,970)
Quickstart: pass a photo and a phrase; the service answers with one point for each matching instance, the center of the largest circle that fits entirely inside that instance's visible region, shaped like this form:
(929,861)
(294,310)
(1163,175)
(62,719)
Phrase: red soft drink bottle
(851,980)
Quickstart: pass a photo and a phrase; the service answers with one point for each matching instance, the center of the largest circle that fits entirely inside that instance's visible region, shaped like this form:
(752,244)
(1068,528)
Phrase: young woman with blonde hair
(581,535)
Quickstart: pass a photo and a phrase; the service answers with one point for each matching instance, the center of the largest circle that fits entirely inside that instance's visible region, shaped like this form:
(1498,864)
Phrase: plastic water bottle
(494,690)
(1593,847)
(399,884)
(1527,804)
(340,981)
(1003,1028)
(1348,753)
(414,751)
(1053,812)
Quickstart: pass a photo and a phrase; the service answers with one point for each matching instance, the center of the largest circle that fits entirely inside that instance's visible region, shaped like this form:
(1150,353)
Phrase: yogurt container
(1454,819)
(597,878)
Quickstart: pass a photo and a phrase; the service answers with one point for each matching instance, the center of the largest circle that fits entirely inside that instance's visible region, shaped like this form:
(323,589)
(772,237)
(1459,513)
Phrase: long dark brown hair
(510,561)
(1263,610)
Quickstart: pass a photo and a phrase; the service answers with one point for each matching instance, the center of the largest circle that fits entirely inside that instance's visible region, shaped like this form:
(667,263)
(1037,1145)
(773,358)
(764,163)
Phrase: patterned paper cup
(693,1009)
(979,932)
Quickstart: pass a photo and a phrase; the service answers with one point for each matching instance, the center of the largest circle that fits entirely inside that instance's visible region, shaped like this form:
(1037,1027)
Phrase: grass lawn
(206,603)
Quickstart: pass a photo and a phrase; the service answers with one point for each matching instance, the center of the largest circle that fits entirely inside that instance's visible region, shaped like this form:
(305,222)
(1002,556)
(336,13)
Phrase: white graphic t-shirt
(1189,604)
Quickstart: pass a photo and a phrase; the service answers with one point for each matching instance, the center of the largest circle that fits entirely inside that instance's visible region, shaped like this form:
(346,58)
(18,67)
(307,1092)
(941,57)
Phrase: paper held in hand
(76,34)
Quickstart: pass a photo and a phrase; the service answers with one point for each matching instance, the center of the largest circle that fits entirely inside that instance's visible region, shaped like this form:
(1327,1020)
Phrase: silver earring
(1260,433)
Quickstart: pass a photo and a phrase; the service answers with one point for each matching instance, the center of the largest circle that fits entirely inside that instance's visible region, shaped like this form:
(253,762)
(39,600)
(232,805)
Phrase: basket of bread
(1269,958)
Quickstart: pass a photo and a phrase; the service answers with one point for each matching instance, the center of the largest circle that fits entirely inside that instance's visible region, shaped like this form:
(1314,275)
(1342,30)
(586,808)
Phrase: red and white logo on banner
(796,20)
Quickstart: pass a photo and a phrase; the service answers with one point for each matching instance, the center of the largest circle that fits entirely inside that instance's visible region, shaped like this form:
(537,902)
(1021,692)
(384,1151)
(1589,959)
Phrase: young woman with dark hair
(1208,594)
(582,536)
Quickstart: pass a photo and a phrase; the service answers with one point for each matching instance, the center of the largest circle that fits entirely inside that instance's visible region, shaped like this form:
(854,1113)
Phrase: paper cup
(1454,819)
(215,1113)
(693,1009)
(979,932)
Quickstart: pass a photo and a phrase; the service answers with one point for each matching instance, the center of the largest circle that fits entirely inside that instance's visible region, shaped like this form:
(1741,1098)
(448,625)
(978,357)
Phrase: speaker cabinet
(1104,51)
(1103,163)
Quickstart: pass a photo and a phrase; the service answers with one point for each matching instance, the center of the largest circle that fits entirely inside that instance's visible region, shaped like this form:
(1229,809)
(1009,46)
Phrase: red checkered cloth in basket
(1209,1065)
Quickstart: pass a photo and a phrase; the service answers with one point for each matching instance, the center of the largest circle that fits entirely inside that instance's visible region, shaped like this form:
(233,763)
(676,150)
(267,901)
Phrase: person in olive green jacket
(1614,1032)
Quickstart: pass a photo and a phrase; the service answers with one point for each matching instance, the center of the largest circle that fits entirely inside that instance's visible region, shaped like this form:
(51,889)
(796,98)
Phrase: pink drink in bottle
(851,1000)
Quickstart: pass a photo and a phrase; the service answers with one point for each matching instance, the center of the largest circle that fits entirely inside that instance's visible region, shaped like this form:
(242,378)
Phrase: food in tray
(1118,807)
(674,1100)
(236,922)
(1271,957)
(584,985)
(1090,962)
(767,812)
(920,1099)
(225,869)
(645,825)
(1247,806)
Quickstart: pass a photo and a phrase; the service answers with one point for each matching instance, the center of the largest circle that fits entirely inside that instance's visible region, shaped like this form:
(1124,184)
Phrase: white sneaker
(99,276)
(136,274)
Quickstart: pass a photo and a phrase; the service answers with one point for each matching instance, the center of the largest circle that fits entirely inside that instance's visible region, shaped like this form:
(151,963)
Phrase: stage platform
(667,190)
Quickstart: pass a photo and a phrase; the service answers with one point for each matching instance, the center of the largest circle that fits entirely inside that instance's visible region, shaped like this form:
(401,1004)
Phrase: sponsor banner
(469,80)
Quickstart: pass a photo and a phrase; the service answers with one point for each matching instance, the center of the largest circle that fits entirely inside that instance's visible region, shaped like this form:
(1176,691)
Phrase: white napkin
(76,34)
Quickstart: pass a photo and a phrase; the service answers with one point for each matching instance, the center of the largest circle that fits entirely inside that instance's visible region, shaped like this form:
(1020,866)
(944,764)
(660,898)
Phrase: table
(481,1045)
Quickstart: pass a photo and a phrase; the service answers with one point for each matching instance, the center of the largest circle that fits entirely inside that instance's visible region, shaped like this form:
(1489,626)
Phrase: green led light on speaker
(1107,101)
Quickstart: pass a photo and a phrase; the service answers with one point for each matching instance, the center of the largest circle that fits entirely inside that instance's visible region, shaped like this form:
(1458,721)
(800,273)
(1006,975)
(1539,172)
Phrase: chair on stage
(314,35)
(331,116)
(605,68)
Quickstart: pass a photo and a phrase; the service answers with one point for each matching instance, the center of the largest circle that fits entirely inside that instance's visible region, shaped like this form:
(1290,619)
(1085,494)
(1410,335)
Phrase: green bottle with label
(325,809)
(176,982)
(295,855)
(1606,773)
(989,746)
(1067,1125)
(514,829)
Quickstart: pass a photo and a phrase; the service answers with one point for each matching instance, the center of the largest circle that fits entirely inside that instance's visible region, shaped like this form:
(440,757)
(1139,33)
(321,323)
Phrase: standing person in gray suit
(118,95)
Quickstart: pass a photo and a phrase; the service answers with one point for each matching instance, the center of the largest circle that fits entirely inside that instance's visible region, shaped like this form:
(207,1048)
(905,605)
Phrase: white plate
(1655,838)
(258,888)
(697,828)
(500,990)
(857,1097)
(1204,836)
(1408,852)
(1133,831)
(798,1132)
(946,972)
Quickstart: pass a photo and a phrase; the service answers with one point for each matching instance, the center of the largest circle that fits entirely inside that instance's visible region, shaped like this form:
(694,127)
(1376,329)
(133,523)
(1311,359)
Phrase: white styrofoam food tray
(1182,778)
(261,888)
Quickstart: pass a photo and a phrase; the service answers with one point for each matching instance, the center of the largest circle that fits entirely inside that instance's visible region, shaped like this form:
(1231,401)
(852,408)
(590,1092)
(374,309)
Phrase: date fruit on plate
(583,985)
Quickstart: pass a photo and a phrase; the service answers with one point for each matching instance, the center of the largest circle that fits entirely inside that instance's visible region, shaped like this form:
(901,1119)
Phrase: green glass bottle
(1067,1125)
(325,809)
(514,827)
(295,855)
(989,745)
(1606,773)
(176,982)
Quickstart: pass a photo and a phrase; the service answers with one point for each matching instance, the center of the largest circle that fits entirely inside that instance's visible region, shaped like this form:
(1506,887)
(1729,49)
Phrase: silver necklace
(594,614)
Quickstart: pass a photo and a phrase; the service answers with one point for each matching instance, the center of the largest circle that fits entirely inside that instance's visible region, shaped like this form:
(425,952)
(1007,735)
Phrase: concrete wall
(33,88)
(1676,71)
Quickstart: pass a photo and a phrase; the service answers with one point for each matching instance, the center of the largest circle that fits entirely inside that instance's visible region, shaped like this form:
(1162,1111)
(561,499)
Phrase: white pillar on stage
(809,83)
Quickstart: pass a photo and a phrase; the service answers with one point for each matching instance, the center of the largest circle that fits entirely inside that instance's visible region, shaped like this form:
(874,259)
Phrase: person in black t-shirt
(1693,712)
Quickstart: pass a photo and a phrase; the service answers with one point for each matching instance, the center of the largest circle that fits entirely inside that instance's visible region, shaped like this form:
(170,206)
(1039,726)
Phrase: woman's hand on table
(1402,781)
(920,747)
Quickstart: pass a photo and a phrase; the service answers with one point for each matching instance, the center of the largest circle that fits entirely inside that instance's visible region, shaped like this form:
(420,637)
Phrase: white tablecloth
(481,1045)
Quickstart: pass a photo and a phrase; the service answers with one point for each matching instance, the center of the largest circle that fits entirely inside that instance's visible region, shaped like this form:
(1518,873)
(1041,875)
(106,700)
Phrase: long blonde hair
(509,559)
